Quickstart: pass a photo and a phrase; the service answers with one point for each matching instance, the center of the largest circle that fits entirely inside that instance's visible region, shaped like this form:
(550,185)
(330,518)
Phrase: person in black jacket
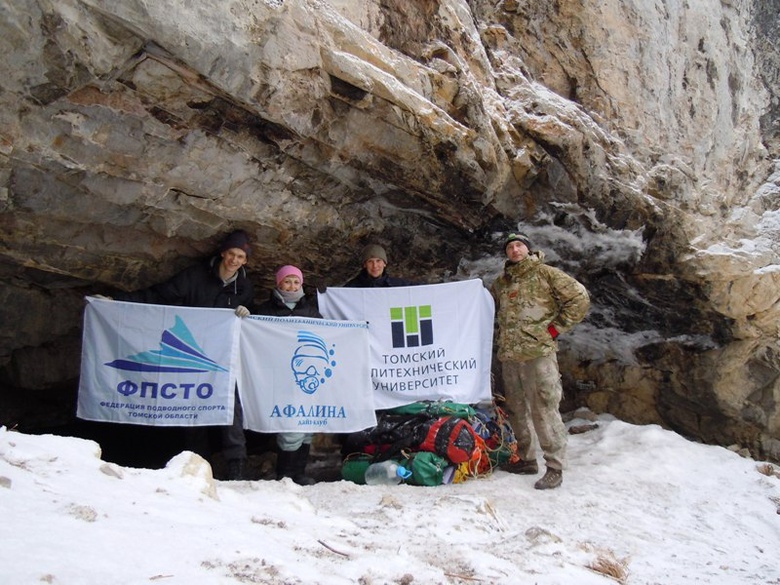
(220,282)
(374,271)
(288,300)
(373,274)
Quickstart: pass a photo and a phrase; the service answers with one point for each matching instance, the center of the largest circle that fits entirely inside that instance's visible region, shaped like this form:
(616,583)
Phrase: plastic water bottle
(386,473)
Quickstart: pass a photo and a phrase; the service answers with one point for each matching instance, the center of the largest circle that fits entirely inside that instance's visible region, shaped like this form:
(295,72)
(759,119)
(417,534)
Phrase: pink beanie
(288,270)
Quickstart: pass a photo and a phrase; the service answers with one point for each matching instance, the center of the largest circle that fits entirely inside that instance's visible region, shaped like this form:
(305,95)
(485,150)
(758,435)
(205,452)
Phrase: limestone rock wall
(635,141)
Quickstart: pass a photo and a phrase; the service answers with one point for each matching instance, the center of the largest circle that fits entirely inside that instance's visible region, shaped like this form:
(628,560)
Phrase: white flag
(431,342)
(158,365)
(305,375)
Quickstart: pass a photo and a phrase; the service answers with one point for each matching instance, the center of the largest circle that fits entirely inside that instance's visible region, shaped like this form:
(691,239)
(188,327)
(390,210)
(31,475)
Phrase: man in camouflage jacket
(534,304)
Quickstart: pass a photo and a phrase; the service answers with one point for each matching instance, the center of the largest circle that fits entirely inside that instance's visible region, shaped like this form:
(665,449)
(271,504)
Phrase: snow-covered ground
(639,505)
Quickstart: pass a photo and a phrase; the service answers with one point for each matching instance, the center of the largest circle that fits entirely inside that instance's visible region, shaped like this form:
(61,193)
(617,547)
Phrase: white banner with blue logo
(305,375)
(430,342)
(158,365)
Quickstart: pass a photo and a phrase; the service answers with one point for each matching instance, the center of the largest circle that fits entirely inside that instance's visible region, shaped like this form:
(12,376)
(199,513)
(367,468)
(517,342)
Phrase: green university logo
(411,326)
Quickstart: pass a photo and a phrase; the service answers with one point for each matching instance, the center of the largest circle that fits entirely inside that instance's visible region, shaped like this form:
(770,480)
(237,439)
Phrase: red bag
(452,438)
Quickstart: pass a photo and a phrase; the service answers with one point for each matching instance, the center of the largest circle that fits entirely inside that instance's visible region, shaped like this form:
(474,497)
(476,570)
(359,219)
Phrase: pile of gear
(439,442)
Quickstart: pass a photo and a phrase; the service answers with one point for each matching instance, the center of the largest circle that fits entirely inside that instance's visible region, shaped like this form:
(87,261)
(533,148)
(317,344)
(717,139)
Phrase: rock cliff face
(635,142)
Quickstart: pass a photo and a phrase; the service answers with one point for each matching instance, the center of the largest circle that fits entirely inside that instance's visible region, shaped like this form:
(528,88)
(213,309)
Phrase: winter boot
(522,467)
(236,470)
(550,480)
(292,464)
(299,468)
(284,463)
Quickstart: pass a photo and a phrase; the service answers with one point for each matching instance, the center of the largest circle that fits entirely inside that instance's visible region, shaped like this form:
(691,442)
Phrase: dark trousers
(232,441)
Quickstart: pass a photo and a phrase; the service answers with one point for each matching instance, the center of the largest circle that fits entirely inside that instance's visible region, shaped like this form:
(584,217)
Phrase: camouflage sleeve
(572,298)
(494,293)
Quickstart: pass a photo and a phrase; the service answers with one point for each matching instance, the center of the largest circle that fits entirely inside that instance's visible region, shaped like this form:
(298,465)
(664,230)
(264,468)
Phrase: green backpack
(436,409)
(427,468)
(353,468)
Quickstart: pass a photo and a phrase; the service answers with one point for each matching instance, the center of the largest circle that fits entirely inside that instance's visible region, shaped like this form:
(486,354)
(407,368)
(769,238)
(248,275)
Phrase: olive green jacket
(530,296)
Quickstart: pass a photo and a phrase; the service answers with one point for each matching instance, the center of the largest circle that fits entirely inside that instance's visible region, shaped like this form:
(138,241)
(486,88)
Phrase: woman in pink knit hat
(289,300)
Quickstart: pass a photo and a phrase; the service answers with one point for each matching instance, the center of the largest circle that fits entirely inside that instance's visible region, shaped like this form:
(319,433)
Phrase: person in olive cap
(373,274)
(374,271)
(534,304)
(220,282)
(289,300)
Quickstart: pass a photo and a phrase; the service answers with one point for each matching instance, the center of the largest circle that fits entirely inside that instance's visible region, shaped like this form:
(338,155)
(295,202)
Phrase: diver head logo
(313,363)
